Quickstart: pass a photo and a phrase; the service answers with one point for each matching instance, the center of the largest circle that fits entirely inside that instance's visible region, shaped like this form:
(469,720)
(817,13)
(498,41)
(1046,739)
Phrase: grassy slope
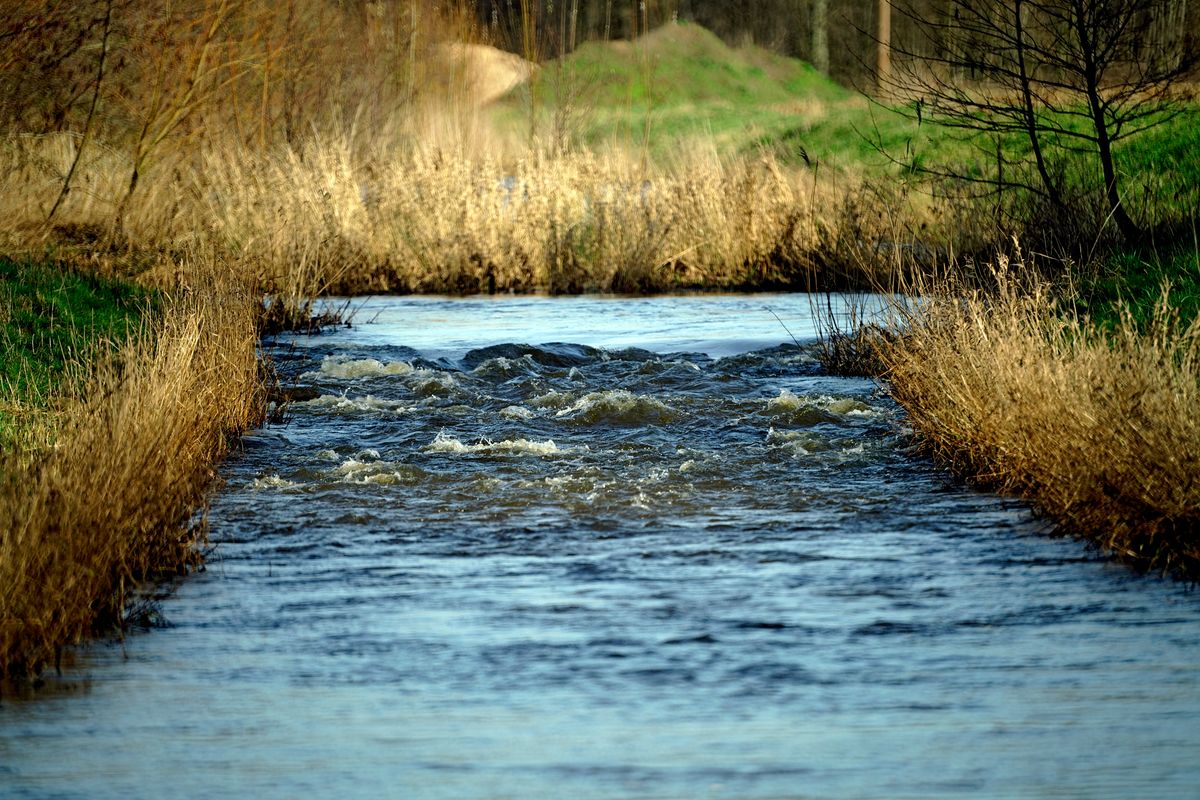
(1162,170)
(682,83)
(50,318)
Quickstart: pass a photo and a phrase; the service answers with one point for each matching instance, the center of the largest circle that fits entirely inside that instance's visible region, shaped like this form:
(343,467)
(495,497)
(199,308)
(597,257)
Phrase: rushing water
(668,559)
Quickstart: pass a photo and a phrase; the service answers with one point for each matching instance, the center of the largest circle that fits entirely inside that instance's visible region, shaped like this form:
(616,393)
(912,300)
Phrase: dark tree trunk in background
(883,68)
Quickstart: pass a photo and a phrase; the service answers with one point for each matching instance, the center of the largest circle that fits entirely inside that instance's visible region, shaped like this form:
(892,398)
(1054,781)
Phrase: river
(662,556)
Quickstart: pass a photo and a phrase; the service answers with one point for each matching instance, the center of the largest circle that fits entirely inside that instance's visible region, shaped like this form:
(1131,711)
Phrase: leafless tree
(1071,77)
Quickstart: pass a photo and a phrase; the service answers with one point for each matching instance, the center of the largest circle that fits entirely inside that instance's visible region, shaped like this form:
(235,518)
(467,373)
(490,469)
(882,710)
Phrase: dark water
(685,565)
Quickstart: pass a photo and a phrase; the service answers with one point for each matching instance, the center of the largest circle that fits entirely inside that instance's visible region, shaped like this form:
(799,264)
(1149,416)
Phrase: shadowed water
(666,557)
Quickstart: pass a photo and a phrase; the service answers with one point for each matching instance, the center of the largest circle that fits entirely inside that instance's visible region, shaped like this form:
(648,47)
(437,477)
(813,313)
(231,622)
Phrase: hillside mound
(683,63)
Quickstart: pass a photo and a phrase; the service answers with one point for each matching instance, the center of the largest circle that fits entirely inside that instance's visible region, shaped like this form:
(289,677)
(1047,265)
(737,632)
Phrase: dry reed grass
(1098,429)
(110,504)
(338,215)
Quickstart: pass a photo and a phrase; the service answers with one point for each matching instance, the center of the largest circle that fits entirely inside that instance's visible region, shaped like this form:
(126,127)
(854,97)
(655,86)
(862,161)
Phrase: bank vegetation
(1096,425)
(241,157)
(106,504)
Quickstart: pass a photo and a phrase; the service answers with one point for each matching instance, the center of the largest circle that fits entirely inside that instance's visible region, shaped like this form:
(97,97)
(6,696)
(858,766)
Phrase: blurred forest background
(273,62)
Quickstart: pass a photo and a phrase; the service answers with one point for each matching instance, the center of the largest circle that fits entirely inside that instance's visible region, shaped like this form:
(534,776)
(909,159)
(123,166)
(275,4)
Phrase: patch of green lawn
(50,317)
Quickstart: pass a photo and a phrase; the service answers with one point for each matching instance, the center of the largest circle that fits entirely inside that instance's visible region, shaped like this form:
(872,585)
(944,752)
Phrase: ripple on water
(576,571)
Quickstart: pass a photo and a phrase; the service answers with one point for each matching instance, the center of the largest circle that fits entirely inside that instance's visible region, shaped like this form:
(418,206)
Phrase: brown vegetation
(1098,429)
(110,504)
(338,217)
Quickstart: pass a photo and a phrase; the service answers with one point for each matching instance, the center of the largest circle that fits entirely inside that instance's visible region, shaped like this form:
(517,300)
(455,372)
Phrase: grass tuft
(110,505)
(1095,425)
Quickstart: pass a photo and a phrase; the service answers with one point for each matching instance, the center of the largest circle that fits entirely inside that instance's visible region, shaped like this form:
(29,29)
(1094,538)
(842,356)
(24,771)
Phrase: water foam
(341,404)
(352,369)
(618,406)
(429,382)
(799,443)
(788,402)
(516,412)
(271,482)
(445,443)
(366,467)
(552,399)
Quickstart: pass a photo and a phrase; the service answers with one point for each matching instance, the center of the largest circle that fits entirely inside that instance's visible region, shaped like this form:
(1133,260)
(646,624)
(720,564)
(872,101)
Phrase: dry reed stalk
(351,214)
(442,220)
(1098,429)
(109,505)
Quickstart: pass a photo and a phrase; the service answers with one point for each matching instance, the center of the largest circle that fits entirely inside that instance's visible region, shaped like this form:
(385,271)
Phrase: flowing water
(666,557)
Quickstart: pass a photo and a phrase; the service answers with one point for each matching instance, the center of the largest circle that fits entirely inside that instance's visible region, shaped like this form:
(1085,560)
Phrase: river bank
(1093,423)
(774,189)
(106,464)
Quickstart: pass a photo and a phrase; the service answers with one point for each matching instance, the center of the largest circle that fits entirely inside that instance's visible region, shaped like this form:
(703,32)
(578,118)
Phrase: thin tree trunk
(1030,115)
(574,24)
(1130,232)
(883,71)
(820,35)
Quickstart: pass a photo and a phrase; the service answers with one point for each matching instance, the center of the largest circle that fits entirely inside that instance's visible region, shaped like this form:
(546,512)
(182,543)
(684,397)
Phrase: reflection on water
(667,557)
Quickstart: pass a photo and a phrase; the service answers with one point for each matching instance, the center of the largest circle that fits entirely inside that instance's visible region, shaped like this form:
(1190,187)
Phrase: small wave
(351,369)
(620,407)
(800,443)
(430,382)
(849,407)
(352,466)
(552,399)
(516,412)
(391,477)
(807,443)
(445,443)
(555,354)
(341,404)
(272,482)
(503,367)
(786,401)
(806,410)
(366,468)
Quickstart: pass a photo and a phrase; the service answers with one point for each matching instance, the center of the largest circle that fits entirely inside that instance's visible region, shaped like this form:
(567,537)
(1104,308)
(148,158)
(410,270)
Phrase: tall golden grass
(110,504)
(344,148)
(352,214)
(1097,427)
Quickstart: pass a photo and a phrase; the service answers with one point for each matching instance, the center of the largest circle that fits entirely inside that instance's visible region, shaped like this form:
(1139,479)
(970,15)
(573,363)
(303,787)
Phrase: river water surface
(600,548)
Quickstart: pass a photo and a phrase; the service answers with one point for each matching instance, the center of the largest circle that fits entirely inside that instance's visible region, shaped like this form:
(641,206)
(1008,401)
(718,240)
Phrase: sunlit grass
(51,319)
(1096,426)
(107,506)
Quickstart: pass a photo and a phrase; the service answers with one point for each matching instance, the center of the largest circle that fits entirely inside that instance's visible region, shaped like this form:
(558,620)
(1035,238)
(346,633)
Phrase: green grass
(1161,172)
(679,82)
(50,317)
(1136,278)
